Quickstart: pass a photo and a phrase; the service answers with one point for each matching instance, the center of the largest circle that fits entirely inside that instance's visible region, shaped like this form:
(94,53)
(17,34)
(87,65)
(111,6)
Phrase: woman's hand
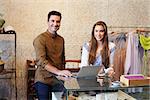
(110,71)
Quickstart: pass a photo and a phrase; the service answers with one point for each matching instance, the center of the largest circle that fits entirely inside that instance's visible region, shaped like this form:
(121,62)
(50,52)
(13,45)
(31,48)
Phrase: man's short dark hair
(54,13)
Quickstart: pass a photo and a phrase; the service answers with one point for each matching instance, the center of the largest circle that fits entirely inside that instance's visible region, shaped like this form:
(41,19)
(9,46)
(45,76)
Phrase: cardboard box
(135,80)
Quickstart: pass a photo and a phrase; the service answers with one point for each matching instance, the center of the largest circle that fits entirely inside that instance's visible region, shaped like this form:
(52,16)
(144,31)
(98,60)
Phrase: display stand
(8,75)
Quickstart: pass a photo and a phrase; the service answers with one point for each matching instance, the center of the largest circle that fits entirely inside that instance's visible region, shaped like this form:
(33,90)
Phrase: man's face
(54,23)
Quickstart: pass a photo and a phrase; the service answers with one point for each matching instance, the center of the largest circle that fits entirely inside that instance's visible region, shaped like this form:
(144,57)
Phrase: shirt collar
(52,35)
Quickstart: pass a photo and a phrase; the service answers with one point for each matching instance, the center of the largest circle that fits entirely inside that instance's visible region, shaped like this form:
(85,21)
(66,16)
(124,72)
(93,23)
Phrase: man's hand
(52,69)
(65,73)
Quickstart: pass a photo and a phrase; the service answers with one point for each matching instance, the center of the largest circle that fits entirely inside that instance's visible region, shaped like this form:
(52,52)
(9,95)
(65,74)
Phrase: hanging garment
(133,61)
(120,54)
(145,43)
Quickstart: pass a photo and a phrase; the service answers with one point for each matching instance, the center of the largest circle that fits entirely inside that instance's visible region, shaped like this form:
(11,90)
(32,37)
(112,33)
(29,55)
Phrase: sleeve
(84,55)
(40,51)
(112,52)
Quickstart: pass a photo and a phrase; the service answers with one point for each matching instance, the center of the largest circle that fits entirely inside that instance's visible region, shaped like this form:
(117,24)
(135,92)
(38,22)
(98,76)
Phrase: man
(50,59)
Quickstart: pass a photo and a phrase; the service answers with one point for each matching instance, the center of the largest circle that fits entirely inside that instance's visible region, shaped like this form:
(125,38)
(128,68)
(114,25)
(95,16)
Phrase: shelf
(7,71)
(8,87)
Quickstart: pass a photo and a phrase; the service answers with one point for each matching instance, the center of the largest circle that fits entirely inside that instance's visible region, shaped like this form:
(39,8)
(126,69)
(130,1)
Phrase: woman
(99,51)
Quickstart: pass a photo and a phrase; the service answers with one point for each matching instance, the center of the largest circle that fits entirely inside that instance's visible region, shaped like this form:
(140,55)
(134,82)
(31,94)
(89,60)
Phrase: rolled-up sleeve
(39,46)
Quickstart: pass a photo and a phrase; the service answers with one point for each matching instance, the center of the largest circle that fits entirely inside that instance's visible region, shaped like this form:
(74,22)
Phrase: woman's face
(99,32)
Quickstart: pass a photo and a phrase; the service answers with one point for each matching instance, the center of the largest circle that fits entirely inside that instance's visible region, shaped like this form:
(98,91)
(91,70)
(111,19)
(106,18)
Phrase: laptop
(88,72)
(86,77)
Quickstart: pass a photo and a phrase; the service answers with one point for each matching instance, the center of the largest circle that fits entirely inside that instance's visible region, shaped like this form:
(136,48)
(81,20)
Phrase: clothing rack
(135,31)
(129,27)
(148,31)
(114,33)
